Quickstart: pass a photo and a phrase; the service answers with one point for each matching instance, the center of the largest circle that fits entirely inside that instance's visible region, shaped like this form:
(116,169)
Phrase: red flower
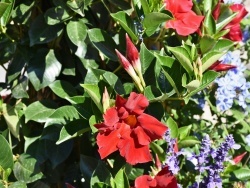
(164,179)
(238,158)
(235,33)
(127,129)
(217,66)
(185,21)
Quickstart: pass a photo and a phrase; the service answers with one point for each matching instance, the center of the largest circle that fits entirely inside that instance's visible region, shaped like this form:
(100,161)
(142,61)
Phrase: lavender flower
(246,34)
(171,155)
(248,140)
(213,180)
(233,85)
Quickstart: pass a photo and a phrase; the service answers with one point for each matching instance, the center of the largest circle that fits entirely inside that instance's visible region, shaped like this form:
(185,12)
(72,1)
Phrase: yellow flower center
(131,120)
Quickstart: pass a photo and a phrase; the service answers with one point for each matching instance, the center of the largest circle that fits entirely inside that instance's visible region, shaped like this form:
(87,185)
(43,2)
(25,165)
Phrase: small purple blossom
(246,34)
(171,155)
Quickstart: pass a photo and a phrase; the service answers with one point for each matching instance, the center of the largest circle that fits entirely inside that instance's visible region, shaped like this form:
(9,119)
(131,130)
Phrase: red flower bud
(221,67)
(238,158)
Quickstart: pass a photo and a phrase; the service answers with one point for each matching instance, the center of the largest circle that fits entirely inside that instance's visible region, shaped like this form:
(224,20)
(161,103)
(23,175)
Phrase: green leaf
(40,32)
(15,67)
(173,127)
(183,57)
(63,89)
(121,179)
(184,131)
(158,150)
(62,116)
(3,7)
(193,85)
(87,166)
(188,142)
(77,32)
(114,82)
(153,20)
(207,43)
(39,111)
(209,23)
(210,58)
(20,90)
(94,93)
(146,57)
(26,169)
(77,6)
(10,115)
(164,60)
(56,15)
(6,156)
(126,23)
(223,45)
(242,174)
(18,184)
(103,42)
(223,23)
(207,78)
(43,68)
(73,129)
(5,16)
(101,174)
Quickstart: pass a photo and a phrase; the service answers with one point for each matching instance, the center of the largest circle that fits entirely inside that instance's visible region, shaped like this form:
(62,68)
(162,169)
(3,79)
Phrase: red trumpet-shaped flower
(218,67)
(185,21)
(238,158)
(164,179)
(234,33)
(127,129)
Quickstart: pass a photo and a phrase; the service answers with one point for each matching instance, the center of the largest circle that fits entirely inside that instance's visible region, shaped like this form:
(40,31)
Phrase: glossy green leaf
(26,169)
(193,85)
(123,5)
(210,58)
(126,22)
(94,93)
(184,131)
(20,90)
(242,174)
(56,15)
(153,20)
(22,12)
(101,174)
(10,115)
(223,23)
(207,79)
(77,32)
(121,179)
(43,68)
(164,60)
(188,142)
(3,7)
(209,23)
(146,57)
(63,89)
(6,11)
(173,127)
(18,184)
(207,43)
(6,156)
(41,33)
(103,42)
(87,166)
(183,57)
(62,116)
(73,129)
(39,111)
(223,45)
(114,82)
(77,6)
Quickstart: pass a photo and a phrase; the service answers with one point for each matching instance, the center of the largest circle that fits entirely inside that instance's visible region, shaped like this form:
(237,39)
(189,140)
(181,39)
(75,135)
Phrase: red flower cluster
(185,21)
(234,33)
(127,129)
(164,179)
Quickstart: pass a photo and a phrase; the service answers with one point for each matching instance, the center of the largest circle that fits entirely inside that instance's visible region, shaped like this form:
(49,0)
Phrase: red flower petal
(136,103)
(223,67)
(142,137)
(179,6)
(111,117)
(234,33)
(108,141)
(153,128)
(132,151)
(242,12)
(165,179)
(185,23)
(120,101)
(216,11)
(145,181)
